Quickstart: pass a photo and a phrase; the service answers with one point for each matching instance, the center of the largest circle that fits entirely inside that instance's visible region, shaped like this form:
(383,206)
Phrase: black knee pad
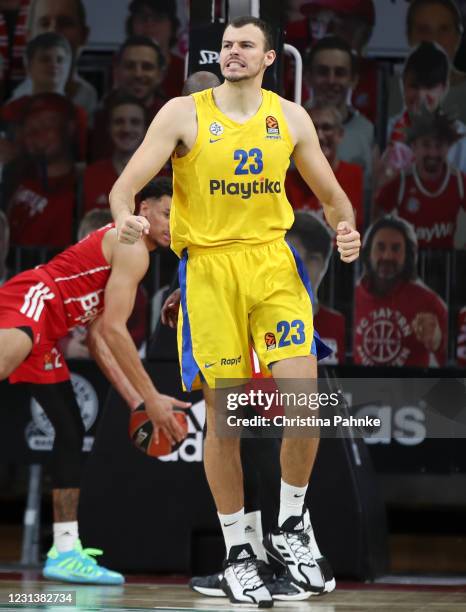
(59,404)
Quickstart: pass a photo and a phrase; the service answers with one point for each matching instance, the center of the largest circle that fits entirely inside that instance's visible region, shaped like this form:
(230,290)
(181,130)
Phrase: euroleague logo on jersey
(270,341)
(271,127)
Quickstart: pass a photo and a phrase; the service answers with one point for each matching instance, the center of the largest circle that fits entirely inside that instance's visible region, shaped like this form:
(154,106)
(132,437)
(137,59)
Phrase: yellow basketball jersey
(230,188)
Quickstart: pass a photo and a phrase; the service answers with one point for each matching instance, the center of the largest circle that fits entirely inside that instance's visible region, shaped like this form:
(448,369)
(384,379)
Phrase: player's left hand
(131,227)
(348,242)
(427,330)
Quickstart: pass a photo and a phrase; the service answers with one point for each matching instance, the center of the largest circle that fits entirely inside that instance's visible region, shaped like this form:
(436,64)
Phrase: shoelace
(299,544)
(90,553)
(246,572)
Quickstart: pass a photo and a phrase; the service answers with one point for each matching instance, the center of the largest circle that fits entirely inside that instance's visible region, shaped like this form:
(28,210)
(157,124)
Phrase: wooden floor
(149,595)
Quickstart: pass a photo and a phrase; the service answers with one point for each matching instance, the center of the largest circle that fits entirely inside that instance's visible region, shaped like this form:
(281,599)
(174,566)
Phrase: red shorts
(31,299)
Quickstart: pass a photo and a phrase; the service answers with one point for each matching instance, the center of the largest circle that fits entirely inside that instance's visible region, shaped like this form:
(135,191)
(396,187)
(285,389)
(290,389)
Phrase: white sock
(253,532)
(65,535)
(233,528)
(291,501)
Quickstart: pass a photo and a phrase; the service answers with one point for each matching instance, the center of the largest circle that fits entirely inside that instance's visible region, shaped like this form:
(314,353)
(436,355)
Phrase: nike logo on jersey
(215,139)
(209,365)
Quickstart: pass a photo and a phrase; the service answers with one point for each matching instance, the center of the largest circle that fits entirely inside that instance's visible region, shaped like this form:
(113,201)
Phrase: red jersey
(461,339)
(432,207)
(350,177)
(34,212)
(14,110)
(98,181)
(383,333)
(80,275)
(331,327)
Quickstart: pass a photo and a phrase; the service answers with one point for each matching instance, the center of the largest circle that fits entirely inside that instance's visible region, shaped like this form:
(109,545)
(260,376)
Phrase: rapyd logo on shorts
(230,361)
(245,189)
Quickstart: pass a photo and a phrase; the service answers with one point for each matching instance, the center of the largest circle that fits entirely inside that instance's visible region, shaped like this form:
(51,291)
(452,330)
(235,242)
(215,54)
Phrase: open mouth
(235,64)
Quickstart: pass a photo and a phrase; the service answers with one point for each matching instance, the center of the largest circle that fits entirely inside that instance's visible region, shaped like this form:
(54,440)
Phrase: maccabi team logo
(216,128)
(271,125)
(270,341)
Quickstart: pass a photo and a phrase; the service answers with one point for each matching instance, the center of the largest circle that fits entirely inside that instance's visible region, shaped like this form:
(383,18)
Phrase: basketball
(141,432)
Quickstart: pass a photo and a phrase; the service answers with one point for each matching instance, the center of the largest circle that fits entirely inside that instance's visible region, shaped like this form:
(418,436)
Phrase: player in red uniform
(397,320)
(431,194)
(92,283)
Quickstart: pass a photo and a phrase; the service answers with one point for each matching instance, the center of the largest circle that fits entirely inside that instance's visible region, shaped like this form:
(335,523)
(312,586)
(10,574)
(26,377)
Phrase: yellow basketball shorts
(233,297)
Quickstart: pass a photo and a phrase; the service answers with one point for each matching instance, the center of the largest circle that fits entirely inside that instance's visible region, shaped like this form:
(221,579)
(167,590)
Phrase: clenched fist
(348,242)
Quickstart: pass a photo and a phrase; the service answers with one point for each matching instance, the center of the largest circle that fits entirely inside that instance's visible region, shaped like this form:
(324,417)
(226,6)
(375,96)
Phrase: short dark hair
(428,65)
(331,43)
(450,5)
(163,7)
(121,99)
(313,234)
(409,271)
(438,124)
(94,220)
(141,41)
(156,188)
(264,27)
(45,41)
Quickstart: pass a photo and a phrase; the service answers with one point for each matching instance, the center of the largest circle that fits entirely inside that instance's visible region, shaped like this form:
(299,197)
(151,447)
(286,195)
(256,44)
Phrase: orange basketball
(141,432)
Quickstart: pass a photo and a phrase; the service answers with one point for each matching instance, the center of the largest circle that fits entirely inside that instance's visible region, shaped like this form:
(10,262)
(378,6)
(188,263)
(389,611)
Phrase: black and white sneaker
(321,561)
(208,585)
(294,547)
(241,581)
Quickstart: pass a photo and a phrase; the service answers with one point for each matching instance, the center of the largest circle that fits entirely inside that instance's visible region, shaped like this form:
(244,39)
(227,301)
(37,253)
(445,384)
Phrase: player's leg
(213,340)
(284,339)
(256,464)
(67,560)
(293,544)
(241,580)
(15,346)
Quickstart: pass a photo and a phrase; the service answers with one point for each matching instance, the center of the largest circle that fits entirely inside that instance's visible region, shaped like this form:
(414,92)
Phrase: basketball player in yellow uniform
(230,149)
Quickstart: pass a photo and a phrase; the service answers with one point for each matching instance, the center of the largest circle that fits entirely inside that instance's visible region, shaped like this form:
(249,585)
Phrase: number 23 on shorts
(291,333)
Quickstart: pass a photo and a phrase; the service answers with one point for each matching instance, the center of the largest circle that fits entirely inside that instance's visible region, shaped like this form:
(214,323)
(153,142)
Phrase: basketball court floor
(147,593)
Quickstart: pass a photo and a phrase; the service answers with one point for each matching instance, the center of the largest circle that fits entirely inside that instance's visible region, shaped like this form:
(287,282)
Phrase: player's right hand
(130,228)
(160,412)
(170,309)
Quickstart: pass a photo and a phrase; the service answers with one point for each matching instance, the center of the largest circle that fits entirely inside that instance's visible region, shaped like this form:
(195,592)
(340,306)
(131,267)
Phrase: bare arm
(316,171)
(129,264)
(104,358)
(163,135)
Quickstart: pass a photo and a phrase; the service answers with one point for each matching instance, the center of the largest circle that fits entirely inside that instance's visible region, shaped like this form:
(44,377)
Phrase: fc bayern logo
(216,128)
